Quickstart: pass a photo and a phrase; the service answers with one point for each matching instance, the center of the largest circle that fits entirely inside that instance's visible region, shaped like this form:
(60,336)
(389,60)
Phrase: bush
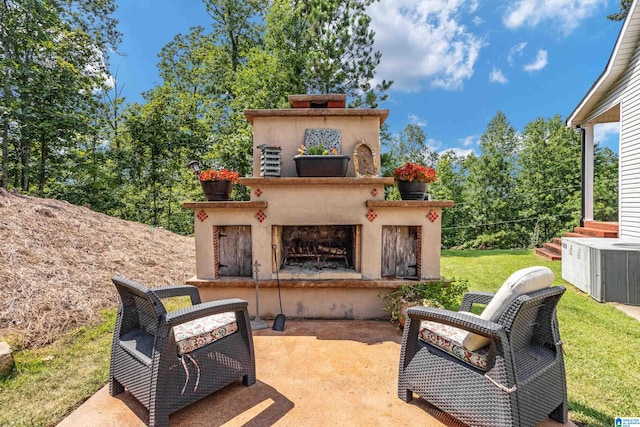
(440,294)
(503,239)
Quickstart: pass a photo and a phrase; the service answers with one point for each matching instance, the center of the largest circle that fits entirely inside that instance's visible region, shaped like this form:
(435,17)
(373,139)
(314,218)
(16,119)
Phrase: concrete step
(601,225)
(545,253)
(595,232)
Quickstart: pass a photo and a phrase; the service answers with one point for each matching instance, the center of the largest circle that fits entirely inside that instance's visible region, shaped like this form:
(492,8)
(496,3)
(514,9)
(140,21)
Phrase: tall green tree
(490,187)
(151,133)
(606,191)
(341,57)
(453,172)
(549,179)
(54,59)
(316,46)
(625,5)
(237,24)
(410,145)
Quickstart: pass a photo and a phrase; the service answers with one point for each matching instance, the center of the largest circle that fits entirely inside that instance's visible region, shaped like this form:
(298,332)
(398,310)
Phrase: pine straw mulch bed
(57,259)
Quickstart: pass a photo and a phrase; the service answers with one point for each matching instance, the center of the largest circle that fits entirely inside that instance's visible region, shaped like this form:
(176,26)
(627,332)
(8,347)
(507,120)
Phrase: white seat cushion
(521,282)
(197,333)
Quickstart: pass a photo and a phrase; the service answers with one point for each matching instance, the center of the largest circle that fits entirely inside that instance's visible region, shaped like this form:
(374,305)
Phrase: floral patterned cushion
(449,339)
(200,332)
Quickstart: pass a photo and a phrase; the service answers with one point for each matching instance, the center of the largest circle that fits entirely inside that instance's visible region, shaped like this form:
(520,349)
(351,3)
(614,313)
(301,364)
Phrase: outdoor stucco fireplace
(313,249)
(338,242)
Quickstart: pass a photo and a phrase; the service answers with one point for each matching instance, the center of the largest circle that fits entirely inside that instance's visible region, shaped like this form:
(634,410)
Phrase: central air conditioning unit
(606,269)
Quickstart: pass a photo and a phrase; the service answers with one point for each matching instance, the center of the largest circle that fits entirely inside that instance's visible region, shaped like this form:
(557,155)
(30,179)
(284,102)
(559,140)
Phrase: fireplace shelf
(225,205)
(254,181)
(369,203)
(409,203)
(245,282)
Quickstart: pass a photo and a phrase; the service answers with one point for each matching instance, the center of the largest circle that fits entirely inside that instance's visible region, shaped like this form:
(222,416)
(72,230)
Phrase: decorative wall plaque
(364,160)
(328,138)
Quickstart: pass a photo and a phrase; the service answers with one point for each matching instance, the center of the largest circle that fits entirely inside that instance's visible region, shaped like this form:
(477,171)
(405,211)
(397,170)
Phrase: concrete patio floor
(314,373)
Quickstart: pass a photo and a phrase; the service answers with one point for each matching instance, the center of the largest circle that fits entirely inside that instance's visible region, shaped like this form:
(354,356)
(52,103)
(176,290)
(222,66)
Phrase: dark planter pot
(412,190)
(216,190)
(321,166)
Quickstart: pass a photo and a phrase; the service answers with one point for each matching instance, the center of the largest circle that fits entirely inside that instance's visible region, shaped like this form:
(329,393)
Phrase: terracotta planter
(412,190)
(402,316)
(321,166)
(216,190)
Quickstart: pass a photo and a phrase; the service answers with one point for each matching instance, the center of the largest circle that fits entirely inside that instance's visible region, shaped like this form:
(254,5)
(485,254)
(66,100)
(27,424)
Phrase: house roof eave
(617,64)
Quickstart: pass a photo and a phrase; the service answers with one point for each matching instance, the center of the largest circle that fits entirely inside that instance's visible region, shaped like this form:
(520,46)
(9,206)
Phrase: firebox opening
(318,248)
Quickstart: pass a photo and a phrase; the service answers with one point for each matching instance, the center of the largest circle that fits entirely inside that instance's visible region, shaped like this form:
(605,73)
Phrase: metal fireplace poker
(257,322)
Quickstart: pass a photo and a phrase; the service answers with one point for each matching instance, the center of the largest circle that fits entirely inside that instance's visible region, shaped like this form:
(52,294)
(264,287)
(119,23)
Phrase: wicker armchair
(517,379)
(170,360)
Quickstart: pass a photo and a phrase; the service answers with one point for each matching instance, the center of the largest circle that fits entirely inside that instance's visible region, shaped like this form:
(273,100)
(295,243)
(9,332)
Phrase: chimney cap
(327,100)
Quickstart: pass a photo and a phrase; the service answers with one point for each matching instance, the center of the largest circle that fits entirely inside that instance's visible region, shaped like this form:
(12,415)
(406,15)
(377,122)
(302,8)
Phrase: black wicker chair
(146,359)
(522,379)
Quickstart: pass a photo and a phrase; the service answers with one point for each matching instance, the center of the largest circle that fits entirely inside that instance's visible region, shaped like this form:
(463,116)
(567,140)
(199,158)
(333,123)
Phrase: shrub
(440,294)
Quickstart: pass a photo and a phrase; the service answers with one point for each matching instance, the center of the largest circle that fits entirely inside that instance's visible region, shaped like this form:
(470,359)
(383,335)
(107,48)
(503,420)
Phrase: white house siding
(626,92)
(629,184)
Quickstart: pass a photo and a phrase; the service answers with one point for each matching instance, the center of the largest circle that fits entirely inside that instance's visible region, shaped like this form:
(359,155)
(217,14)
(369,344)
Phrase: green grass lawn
(601,347)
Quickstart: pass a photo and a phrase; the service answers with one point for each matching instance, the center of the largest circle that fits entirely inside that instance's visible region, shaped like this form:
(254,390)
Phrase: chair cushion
(197,333)
(449,339)
(521,282)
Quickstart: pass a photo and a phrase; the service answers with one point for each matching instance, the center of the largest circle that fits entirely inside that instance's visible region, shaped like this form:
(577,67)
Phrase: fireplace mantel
(253,181)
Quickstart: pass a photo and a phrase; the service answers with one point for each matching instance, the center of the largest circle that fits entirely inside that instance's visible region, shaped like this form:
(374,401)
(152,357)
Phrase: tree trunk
(42,174)
(25,153)
(7,94)
(5,153)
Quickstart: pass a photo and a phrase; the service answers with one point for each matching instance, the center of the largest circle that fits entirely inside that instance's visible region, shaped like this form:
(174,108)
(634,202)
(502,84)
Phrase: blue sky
(455,63)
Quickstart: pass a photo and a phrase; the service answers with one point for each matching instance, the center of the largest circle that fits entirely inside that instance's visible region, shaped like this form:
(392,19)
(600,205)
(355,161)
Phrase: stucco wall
(288,132)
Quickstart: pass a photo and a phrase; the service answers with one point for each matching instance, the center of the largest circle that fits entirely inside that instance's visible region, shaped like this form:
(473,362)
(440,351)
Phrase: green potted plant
(440,294)
(318,161)
(413,179)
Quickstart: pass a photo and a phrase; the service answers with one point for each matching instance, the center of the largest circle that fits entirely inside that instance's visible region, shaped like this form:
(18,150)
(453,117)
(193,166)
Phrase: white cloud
(473,6)
(603,133)
(423,43)
(496,76)
(564,14)
(415,120)
(539,63)
(433,144)
(459,151)
(110,81)
(477,21)
(516,50)
(468,140)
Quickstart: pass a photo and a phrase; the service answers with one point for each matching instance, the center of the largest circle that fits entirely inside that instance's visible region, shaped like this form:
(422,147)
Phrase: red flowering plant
(219,175)
(413,171)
